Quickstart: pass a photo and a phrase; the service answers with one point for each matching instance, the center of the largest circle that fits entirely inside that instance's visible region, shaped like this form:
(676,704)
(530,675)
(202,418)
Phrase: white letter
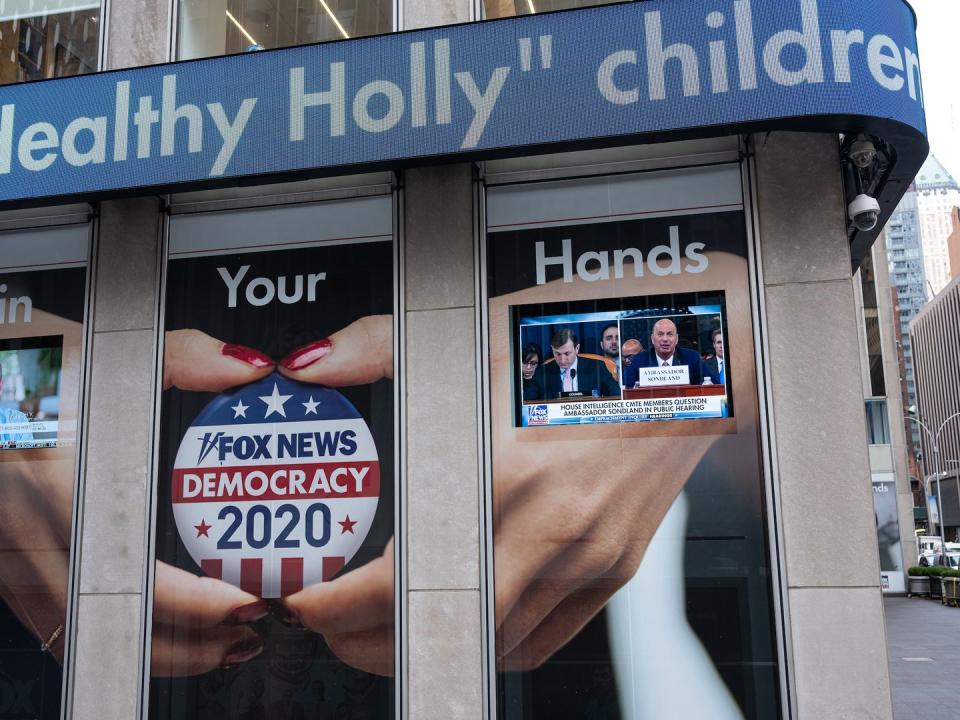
(97,152)
(809,40)
(170,113)
(121,116)
(358,475)
(232,283)
(633,254)
(268,295)
(27,304)
(608,88)
(841,41)
(418,85)
(657,57)
(673,250)
(230,132)
(482,104)
(143,119)
(394,112)
(691,251)
(566,260)
(312,280)
(746,48)
(191,485)
(601,273)
(913,74)
(878,60)
(282,290)
(39,136)
(332,97)
(6,137)
(441,80)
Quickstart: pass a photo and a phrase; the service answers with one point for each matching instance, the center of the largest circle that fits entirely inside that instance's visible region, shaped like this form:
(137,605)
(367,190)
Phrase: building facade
(937,195)
(933,331)
(365,360)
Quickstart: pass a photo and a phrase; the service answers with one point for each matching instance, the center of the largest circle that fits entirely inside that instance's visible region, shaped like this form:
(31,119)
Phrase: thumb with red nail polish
(192,360)
(359,354)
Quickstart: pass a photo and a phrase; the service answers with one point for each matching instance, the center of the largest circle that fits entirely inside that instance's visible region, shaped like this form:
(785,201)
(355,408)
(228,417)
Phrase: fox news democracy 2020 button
(275,486)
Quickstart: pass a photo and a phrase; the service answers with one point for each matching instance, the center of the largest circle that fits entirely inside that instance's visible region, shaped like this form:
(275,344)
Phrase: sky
(938,38)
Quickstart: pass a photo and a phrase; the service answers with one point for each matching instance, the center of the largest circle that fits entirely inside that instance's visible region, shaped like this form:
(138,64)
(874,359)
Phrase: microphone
(573,373)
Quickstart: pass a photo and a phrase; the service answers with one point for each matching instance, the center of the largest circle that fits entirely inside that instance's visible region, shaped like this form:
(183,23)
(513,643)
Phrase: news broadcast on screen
(30,374)
(647,359)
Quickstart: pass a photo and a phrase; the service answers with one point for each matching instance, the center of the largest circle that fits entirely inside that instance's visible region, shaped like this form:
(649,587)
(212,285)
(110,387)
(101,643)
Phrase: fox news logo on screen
(538,415)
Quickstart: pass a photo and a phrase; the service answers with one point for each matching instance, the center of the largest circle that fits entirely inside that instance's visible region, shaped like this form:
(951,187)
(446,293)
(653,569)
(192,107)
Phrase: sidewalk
(923,645)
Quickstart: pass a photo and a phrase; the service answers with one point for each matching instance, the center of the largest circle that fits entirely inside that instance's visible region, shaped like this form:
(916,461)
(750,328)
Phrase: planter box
(918,585)
(951,591)
(936,587)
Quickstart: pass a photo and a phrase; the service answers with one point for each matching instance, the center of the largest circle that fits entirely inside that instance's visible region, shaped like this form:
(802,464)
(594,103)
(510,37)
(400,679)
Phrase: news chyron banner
(629,531)
(43,278)
(275,474)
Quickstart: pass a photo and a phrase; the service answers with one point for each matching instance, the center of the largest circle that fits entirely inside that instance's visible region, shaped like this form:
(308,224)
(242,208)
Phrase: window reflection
(47,39)
(509,8)
(219,27)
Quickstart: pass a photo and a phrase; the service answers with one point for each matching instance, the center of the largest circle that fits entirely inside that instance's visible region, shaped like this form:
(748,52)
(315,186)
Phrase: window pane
(509,8)
(220,27)
(43,288)
(275,482)
(40,40)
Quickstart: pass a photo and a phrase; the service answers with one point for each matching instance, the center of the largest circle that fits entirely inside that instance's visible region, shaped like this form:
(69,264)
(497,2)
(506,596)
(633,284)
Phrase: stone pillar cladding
(826,504)
(443,636)
(110,604)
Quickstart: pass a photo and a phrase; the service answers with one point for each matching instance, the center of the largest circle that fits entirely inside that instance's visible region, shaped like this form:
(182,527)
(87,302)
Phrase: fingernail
(248,355)
(287,615)
(243,651)
(307,355)
(250,612)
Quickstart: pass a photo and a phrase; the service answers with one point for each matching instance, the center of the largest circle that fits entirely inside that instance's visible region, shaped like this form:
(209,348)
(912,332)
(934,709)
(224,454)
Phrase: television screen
(634,359)
(30,376)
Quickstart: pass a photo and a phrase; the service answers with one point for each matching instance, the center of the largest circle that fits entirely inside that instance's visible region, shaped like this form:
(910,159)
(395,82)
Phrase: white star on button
(275,402)
(240,410)
(311,406)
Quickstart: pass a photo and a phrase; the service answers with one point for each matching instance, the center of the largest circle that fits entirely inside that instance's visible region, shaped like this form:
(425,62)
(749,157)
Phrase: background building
(935,334)
(937,196)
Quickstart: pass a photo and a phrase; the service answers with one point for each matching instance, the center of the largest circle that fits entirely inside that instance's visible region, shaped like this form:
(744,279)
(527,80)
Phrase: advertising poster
(41,361)
(631,570)
(273,590)
(888,533)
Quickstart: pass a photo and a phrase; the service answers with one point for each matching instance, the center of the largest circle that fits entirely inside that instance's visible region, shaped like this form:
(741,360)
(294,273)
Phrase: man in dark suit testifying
(664,352)
(716,367)
(571,373)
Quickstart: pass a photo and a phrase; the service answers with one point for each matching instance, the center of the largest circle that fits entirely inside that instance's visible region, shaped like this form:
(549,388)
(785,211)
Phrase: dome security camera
(862,153)
(864,212)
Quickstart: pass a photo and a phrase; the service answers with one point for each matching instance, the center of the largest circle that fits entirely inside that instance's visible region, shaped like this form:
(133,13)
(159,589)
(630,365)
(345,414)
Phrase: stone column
(443,634)
(826,499)
(108,644)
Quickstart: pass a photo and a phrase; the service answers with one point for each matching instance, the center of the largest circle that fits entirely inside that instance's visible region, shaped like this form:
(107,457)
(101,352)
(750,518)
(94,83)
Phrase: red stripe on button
(331,566)
(291,576)
(251,576)
(212,568)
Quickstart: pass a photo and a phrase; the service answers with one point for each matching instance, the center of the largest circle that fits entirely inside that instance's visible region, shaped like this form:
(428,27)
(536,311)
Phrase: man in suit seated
(664,352)
(716,367)
(571,373)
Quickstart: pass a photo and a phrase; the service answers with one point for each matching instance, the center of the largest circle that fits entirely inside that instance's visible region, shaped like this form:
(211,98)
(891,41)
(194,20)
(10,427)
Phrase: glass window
(878,428)
(509,8)
(276,468)
(42,39)
(629,534)
(222,27)
(42,311)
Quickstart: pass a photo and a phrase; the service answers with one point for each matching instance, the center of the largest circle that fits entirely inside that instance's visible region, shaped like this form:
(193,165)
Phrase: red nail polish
(248,355)
(307,355)
(250,612)
(243,651)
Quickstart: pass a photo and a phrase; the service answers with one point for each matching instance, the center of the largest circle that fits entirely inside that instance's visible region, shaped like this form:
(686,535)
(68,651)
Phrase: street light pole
(934,438)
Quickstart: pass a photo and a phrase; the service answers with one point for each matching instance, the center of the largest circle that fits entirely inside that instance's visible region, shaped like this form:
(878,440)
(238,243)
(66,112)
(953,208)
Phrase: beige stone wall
(839,658)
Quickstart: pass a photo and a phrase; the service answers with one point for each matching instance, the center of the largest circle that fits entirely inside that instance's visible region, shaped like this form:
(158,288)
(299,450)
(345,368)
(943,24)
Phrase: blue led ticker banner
(614,73)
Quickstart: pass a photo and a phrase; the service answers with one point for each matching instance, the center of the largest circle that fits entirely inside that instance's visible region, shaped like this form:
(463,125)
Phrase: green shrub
(918,571)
